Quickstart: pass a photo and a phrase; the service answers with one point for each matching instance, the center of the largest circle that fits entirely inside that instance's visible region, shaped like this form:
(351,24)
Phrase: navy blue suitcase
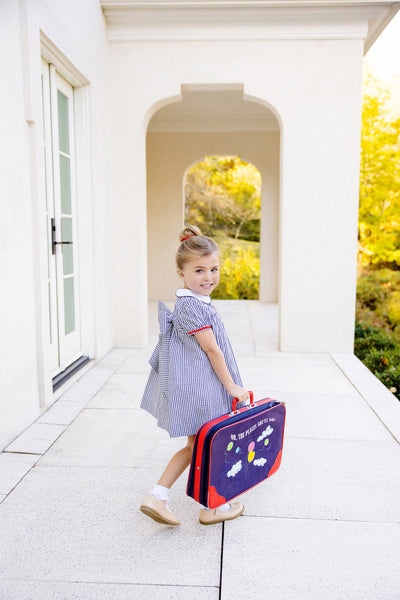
(237,451)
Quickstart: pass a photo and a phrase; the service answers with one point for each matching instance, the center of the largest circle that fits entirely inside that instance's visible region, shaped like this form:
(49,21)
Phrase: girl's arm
(208,344)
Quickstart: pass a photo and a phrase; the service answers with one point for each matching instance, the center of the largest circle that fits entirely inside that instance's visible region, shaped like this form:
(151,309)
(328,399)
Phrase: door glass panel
(65,185)
(63,122)
(66,236)
(69,305)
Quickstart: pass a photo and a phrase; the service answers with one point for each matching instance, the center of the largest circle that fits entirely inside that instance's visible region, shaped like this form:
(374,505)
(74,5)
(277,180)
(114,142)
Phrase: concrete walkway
(326,526)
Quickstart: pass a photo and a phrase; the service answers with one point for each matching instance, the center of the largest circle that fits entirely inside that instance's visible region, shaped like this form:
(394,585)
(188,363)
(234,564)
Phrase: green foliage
(370,339)
(240,270)
(380,353)
(393,312)
(377,334)
(379,214)
(378,300)
(223,198)
(223,193)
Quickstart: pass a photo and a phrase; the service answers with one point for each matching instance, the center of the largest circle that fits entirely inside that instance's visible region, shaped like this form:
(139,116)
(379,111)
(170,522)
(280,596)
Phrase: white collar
(184,292)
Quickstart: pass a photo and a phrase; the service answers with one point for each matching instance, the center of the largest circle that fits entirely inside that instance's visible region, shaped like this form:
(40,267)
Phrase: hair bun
(188,232)
(193,244)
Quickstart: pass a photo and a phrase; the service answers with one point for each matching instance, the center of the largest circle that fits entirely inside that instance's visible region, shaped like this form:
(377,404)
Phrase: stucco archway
(208,120)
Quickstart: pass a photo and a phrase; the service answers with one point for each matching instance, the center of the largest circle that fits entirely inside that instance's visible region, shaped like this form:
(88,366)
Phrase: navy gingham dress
(183,391)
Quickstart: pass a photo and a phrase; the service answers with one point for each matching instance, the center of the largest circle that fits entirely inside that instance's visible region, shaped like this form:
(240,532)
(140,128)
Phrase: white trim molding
(252,20)
(53,55)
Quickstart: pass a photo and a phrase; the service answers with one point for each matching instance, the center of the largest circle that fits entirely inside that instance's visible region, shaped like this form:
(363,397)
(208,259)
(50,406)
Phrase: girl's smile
(201,274)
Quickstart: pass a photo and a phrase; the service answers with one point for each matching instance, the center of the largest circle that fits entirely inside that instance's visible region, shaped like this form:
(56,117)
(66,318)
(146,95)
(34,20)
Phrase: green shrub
(368,338)
(370,292)
(380,360)
(380,353)
(240,270)
(393,309)
(391,379)
(378,300)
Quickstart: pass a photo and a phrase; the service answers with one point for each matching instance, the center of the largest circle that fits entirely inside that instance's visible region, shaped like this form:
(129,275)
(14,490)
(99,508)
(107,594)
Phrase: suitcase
(237,451)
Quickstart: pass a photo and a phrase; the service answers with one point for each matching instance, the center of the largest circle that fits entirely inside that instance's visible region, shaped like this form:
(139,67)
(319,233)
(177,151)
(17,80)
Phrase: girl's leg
(178,463)
(155,505)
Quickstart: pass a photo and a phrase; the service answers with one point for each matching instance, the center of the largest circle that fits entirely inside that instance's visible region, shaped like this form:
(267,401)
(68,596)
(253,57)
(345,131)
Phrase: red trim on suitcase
(200,443)
(214,498)
(276,464)
(197,330)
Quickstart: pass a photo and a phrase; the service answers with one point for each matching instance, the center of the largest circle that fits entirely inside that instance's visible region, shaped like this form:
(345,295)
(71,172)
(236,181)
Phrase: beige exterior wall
(314,89)
(169,155)
(76,34)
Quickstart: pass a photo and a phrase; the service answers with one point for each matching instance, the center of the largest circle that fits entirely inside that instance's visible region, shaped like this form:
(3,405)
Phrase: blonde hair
(193,244)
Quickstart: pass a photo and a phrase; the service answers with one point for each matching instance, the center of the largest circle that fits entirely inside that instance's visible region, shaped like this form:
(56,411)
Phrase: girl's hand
(238,392)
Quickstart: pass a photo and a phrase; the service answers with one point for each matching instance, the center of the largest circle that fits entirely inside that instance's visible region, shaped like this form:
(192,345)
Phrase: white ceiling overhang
(181,20)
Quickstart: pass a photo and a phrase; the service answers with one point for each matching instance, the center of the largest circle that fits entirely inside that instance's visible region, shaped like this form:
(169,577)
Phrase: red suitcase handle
(235,401)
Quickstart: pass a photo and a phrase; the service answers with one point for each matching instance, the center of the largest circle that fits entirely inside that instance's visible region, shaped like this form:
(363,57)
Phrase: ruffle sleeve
(193,315)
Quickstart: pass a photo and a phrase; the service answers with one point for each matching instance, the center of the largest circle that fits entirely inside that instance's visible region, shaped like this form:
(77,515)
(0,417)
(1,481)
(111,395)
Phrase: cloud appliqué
(259,462)
(264,434)
(235,469)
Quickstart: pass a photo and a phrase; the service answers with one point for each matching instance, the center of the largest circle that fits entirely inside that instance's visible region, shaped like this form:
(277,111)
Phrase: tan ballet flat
(156,509)
(210,517)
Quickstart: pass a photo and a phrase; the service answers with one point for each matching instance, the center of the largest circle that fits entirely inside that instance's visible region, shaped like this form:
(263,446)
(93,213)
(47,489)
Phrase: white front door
(61,215)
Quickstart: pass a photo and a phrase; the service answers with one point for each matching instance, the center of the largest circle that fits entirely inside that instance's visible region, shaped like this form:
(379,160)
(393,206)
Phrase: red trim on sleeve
(197,330)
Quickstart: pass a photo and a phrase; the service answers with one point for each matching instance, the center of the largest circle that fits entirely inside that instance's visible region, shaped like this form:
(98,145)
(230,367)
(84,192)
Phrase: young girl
(194,375)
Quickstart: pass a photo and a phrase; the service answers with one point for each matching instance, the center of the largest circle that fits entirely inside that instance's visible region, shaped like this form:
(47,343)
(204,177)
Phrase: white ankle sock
(160,492)
(222,508)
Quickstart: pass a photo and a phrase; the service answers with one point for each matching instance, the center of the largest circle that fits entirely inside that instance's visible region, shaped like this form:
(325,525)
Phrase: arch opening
(208,121)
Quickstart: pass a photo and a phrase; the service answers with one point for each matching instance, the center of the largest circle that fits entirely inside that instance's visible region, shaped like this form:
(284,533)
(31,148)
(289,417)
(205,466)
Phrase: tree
(379,215)
(224,193)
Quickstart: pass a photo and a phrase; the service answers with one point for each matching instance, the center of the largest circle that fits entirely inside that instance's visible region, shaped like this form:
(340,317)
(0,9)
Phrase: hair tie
(186,238)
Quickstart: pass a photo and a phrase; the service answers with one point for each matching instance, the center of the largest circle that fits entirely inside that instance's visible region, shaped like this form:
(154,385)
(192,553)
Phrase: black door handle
(53,238)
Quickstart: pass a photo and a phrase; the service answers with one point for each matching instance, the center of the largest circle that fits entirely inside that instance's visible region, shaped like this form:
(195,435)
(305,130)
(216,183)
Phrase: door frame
(69,345)
(83,176)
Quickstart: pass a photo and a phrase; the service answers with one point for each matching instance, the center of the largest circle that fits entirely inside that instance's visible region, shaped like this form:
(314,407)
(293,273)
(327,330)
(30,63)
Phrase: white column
(319,214)
(269,234)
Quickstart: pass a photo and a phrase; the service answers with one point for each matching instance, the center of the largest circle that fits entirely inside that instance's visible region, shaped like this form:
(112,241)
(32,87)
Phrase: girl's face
(201,274)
